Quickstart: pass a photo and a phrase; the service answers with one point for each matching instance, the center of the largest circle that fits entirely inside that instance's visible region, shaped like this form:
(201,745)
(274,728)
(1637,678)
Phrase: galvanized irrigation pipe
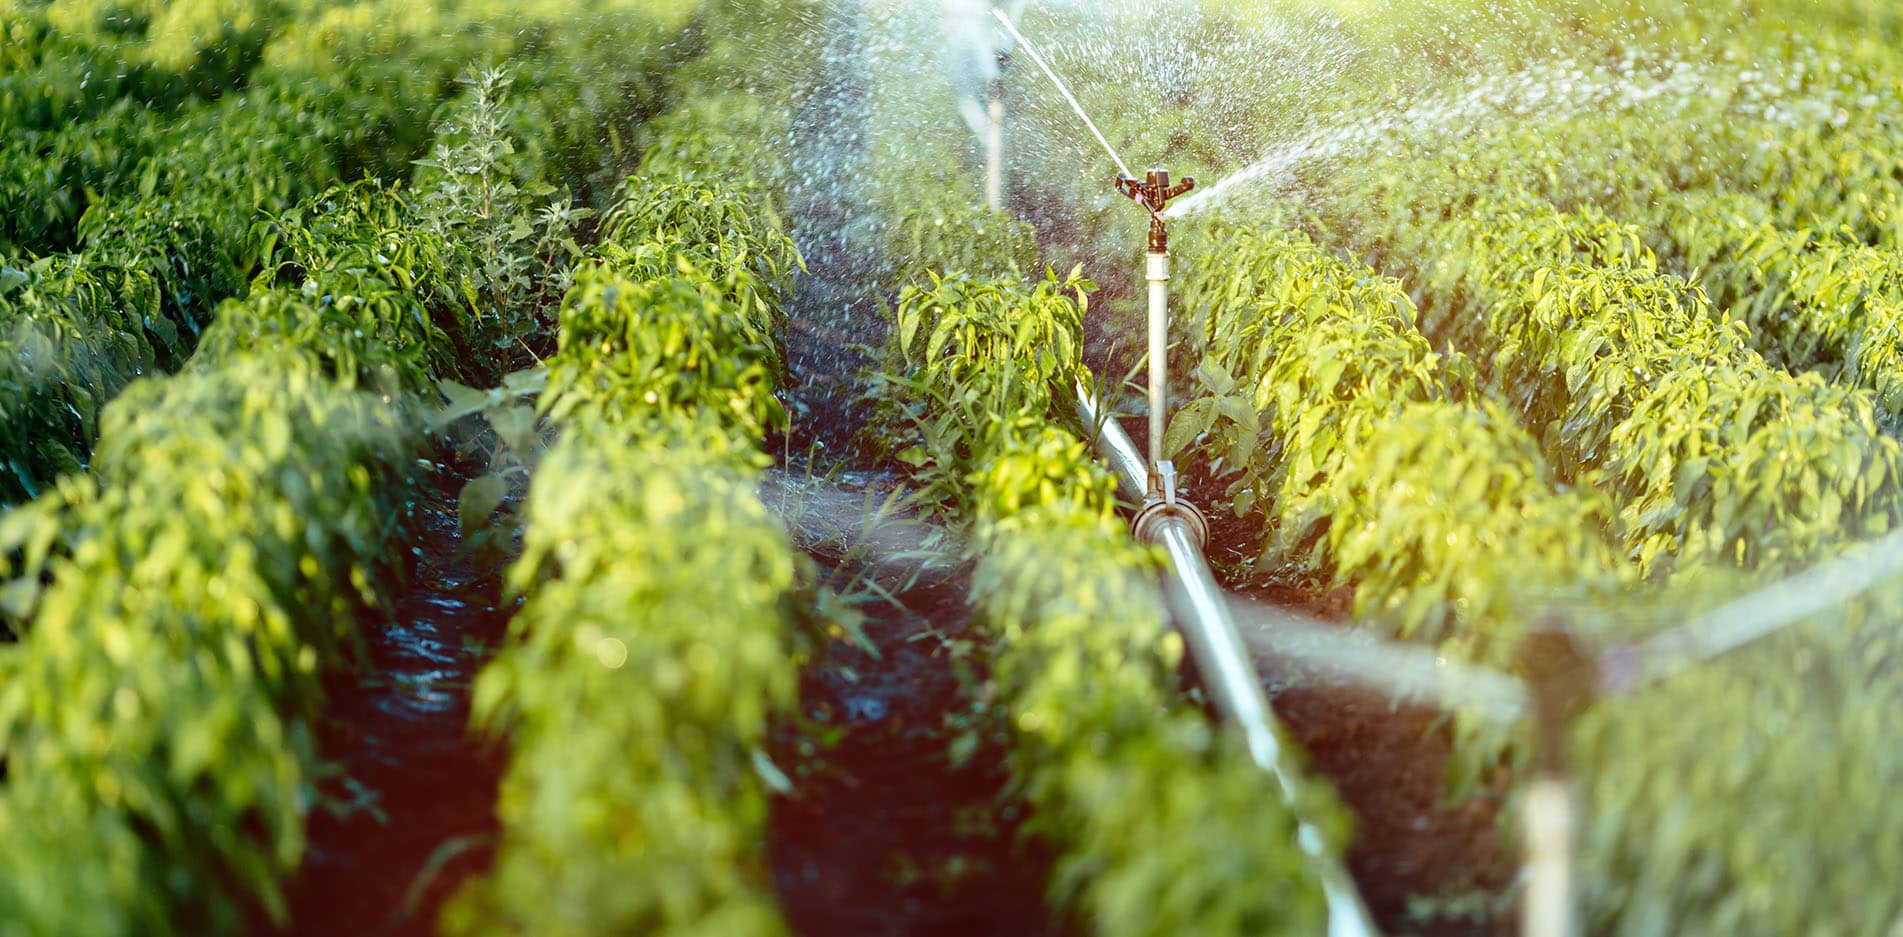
(1205,621)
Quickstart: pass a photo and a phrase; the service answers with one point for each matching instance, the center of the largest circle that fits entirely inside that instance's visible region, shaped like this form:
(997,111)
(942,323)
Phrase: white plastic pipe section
(994,153)
(1547,909)
(1221,657)
(1156,269)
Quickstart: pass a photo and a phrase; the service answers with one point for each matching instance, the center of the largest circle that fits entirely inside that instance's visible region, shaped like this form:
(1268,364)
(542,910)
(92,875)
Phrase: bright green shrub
(662,385)
(1632,383)
(634,697)
(1753,796)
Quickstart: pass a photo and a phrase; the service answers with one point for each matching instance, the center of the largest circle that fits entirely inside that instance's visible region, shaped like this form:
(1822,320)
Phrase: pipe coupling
(1147,526)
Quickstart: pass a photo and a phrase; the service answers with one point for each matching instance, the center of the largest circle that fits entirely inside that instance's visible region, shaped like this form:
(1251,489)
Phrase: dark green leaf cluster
(357,280)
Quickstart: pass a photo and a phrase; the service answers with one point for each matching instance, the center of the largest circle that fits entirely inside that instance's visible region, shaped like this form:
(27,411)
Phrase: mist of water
(1031,50)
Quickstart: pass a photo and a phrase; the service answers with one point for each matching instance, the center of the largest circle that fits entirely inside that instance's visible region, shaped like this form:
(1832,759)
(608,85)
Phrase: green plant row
(1813,300)
(1792,238)
(1162,824)
(169,216)
(638,680)
(1370,459)
(1632,384)
(636,687)
(1801,121)
(1792,165)
(67,60)
(240,516)
(142,285)
(157,724)
(593,71)
(1725,801)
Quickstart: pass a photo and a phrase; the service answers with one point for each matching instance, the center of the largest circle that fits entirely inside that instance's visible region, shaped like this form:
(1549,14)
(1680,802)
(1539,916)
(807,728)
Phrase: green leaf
(515,426)
(1215,377)
(18,597)
(12,279)
(527,382)
(463,401)
(1193,420)
(479,499)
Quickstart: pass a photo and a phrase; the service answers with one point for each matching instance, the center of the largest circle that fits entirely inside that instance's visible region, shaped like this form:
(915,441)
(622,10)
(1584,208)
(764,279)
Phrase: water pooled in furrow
(410,809)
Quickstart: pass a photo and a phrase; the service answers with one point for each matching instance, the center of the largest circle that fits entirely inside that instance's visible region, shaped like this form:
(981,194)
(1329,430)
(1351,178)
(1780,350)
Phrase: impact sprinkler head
(1153,193)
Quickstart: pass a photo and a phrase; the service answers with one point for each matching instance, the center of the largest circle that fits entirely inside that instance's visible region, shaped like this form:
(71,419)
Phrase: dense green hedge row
(1544,245)
(1793,167)
(635,694)
(1711,454)
(158,201)
(1813,300)
(142,285)
(662,387)
(1754,796)
(1162,824)
(157,727)
(1371,459)
(237,518)
(157,719)
(1631,382)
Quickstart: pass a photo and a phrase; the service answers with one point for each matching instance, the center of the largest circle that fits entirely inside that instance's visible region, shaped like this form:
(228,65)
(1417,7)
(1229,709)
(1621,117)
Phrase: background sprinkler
(982,54)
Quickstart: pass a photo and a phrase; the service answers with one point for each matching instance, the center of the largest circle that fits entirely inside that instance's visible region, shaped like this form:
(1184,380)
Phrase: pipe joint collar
(1157,511)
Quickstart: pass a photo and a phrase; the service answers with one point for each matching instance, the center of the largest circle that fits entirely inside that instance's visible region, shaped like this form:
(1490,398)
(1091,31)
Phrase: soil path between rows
(414,779)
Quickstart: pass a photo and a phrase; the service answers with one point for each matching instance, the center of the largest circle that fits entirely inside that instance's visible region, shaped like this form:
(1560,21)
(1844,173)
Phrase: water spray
(994,136)
(1167,520)
(1062,88)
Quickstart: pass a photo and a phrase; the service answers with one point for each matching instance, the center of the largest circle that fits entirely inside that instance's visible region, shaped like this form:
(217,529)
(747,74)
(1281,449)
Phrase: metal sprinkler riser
(1160,500)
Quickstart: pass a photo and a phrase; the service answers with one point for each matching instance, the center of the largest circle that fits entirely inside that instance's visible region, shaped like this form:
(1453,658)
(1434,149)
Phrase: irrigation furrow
(406,796)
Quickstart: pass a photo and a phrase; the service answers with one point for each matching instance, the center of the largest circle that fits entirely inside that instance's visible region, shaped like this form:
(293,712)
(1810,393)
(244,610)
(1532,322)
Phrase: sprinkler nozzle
(1153,193)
